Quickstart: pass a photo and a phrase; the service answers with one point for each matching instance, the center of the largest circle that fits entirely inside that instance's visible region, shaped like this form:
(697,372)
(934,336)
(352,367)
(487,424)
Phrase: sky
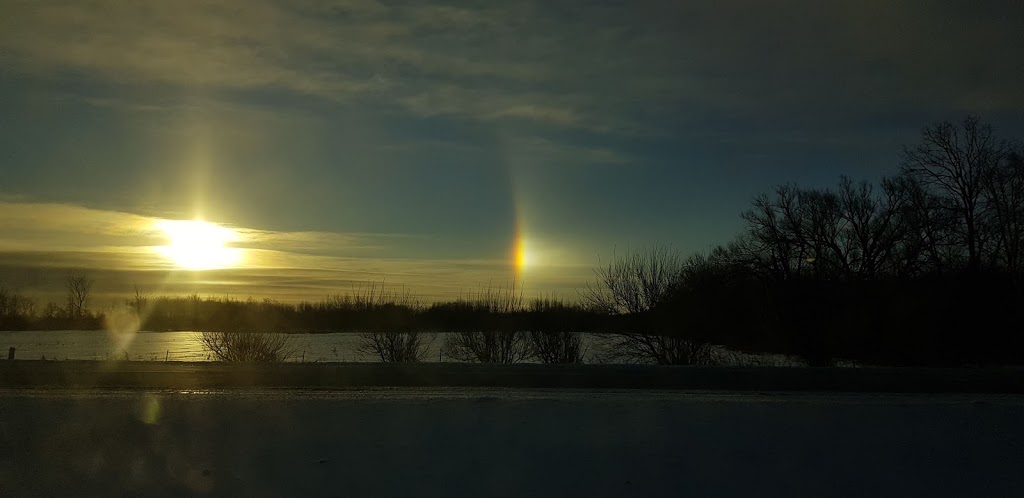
(445,147)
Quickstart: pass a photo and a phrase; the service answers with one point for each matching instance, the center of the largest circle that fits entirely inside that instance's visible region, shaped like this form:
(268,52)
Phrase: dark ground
(507,442)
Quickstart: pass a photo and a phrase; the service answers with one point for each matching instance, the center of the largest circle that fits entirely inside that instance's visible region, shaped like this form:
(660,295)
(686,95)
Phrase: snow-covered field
(172,346)
(457,442)
(185,346)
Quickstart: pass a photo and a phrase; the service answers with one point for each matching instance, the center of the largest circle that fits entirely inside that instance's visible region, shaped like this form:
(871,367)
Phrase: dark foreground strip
(175,375)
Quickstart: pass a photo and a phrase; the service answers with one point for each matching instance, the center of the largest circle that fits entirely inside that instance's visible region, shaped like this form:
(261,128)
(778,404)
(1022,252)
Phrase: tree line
(921,268)
(20,312)
(368,307)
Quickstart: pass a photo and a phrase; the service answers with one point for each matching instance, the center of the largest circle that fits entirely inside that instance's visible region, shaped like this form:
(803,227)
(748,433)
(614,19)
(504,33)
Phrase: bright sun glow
(198,245)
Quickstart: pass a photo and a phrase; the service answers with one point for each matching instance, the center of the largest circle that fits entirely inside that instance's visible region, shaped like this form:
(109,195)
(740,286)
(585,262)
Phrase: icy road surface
(487,442)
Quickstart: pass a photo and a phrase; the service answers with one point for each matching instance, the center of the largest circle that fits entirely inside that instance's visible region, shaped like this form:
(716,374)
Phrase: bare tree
(780,232)
(8,303)
(855,231)
(1005,190)
(79,287)
(636,282)
(927,226)
(956,163)
(395,346)
(873,232)
(138,303)
(640,286)
(52,311)
(27,307)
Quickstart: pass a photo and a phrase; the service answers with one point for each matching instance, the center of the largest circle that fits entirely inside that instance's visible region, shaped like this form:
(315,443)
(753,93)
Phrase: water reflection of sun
(198,245)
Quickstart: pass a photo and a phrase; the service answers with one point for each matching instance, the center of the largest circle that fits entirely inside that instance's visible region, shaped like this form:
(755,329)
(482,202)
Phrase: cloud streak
(44,241)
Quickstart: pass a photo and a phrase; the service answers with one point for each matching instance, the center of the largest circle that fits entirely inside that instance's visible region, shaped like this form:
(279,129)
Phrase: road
(217,375)
(495,442)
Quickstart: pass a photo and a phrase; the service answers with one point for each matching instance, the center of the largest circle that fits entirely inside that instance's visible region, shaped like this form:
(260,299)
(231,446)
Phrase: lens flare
(149,409)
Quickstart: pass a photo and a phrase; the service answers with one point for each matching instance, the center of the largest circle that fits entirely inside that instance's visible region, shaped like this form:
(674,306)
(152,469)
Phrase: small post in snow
(10,353)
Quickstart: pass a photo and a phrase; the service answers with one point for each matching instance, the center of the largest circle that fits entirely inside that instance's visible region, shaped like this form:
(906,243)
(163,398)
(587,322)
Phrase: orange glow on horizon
(523,257)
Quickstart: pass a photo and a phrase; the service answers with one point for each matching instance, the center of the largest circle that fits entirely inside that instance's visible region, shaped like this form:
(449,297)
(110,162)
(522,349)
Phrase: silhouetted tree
(138,303)
(956,163)
(850,233)
(928,229)
(873,231)
(1005,192)
(16,311)
(899,273)
(639,288)
(780,234)
(635,282)
(79,287)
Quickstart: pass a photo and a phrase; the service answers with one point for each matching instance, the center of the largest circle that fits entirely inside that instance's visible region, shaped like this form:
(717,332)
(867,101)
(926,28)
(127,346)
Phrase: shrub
(255,347)
(487,346)
(492,334)
(643,347)
(557,347)
(395,346)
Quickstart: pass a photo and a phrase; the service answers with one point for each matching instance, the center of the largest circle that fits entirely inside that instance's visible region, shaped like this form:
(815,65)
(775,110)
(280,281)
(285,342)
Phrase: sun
(198,245)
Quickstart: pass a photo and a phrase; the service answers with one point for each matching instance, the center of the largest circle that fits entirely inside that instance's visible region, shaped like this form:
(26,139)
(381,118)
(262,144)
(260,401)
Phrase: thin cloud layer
(354,139)
(565,65)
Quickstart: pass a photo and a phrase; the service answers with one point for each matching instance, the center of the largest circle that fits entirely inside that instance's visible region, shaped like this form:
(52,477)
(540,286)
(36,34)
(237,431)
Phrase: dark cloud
(565,64)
